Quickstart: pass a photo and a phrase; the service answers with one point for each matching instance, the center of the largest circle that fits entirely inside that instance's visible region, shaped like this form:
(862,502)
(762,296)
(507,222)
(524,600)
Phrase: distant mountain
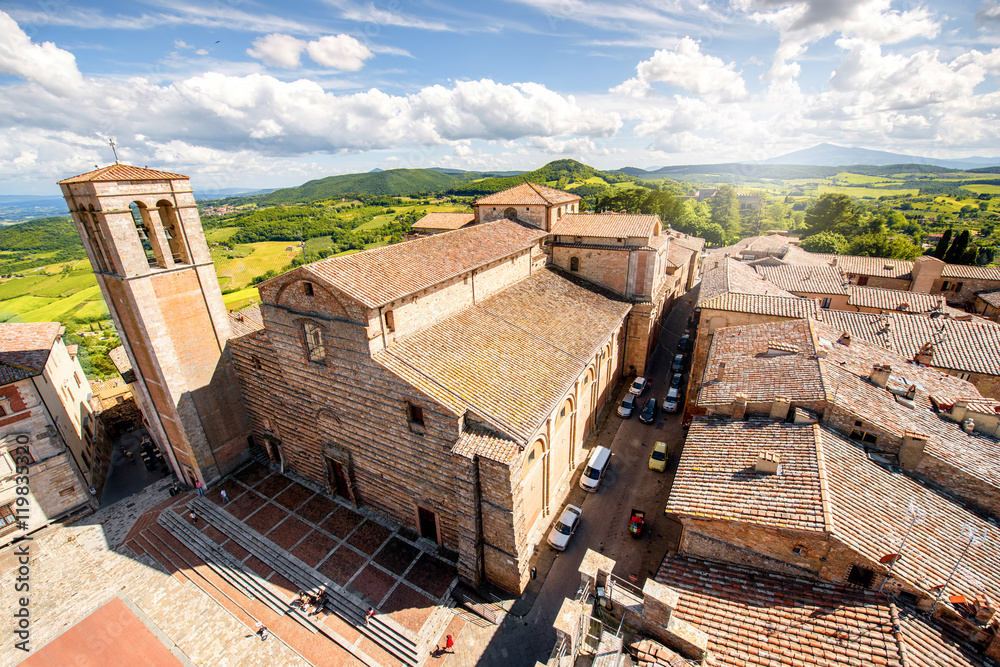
(221,193)
(554,173)
(830,155)
(376,169)
(395,182)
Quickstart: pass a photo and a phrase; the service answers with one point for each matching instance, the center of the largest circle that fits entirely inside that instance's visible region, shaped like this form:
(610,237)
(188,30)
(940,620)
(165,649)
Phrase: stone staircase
(383,631)
(609,651)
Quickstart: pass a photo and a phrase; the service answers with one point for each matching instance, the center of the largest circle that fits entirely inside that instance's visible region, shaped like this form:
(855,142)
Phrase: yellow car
(658,457)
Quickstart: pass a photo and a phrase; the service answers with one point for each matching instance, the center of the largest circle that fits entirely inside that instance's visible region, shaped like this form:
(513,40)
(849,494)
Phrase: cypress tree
(958,247)
(942,246)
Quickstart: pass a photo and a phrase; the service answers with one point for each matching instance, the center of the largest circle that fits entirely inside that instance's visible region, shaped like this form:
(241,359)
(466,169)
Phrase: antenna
(111,142)
(916,515)
(973,539)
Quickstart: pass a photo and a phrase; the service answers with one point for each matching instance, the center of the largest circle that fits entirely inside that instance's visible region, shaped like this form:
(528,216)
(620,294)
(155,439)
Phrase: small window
(531,457)
(958,287)
(22,456)
(798,550)
(390,321)
(314,343)
(308,287)
(860,576)
(119,400)
(7,517)
(826,302)
(415,414)
(862,281)
(77,378)
(857,422)
(3,409)
(257,366)
(574,263)
(68,491)
(864,436)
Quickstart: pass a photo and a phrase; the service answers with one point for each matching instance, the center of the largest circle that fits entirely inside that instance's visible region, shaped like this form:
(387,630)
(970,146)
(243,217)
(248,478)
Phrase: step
(385,632)
(227,566)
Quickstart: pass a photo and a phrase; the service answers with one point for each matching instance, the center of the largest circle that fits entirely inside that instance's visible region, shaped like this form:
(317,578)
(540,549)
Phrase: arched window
(314,343)
(96,243)
(510,213)
(144,231)
(390,321)
(172,230)
(574,263)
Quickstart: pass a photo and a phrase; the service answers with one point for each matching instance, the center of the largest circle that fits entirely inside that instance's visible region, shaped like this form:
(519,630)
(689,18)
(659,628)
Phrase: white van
(598,464)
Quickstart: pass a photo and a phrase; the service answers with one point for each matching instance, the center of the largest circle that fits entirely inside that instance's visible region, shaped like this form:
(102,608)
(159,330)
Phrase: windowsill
(419,429)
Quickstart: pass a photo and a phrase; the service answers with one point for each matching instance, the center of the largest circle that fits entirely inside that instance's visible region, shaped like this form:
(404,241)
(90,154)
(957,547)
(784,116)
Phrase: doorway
(427,523)
(337,479)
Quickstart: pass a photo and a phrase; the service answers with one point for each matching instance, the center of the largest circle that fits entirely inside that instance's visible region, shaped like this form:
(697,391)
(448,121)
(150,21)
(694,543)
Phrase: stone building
(144,239)
(437,222)
(48,436)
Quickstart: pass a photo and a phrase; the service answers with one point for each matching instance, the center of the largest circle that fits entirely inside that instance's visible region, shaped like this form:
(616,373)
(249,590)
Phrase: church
(448,382)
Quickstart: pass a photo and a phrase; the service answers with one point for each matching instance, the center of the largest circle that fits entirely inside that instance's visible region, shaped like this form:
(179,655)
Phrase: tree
(882,245)
(958,248)
(832,212)
(942,245)
(725,210)
(827,242)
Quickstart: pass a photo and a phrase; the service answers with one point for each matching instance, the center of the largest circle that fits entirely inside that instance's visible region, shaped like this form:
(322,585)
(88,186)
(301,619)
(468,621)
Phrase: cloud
(686,67)
(988,15)
(278,50)
(379,17)
(341,52)
(45,64)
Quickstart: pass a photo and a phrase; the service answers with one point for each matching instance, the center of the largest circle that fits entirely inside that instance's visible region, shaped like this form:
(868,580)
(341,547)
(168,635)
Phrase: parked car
(658,457)
(675,380)
(678,364)
(565,526)
(684,344)
(639,386)
(648,413)
(627,405)
(673,399)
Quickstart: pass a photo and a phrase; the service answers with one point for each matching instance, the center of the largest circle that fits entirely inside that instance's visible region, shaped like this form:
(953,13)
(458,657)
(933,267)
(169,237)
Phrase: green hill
(41,235)
(562,174)
(396,182)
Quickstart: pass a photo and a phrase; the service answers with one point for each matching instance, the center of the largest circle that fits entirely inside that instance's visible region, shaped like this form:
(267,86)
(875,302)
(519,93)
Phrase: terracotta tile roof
(866,266)
(992,297)
(750,372)
(892,299)
(716,479)
(122,172)
(966,346)
(678,255)
(869,507)
(759,619)
(511,357)
(607,225)
(480,441)
(725,275)
(810,279)
(444,220)
(119,358)
(971,272)
(934,645)
(687,241)
(530,194)
(778,306)
(771,244)
(246,321)
(25,348)
(381,275)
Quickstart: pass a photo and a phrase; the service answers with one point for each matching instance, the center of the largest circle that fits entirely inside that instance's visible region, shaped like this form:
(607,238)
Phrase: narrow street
(629,483)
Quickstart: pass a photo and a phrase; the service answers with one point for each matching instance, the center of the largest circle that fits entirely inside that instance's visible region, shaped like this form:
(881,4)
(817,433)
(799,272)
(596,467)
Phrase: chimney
(912,449)
(845,339)
(834,262)
(969,425)
(739,406)
(926,354)
(721,375)
(768,463)
(911,392)
(959,409)
(880,375)
(779,408)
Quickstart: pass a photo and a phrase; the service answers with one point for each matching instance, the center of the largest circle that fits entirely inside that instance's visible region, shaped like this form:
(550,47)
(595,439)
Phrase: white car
(565,526)
(672,399)
(639,386)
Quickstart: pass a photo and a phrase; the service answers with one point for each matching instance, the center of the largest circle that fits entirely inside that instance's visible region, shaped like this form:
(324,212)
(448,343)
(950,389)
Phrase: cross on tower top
(111,142)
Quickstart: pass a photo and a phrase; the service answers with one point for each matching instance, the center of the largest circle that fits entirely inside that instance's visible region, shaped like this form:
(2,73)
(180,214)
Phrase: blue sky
(237,93)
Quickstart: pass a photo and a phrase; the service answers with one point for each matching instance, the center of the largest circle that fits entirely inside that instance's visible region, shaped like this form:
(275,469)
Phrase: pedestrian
(371,612)
(449,644)
(225,498)
(201,489)
(194,517)
(261,631)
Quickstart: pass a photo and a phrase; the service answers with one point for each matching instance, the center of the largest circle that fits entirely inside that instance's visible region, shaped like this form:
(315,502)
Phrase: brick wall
(755,545)
(605,267)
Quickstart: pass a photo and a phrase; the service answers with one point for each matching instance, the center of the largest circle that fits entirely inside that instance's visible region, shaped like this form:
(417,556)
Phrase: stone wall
(755,545)
(607,267)
(963,484)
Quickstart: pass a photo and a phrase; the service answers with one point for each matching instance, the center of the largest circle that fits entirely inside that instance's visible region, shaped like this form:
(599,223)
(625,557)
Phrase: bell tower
(143,235)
